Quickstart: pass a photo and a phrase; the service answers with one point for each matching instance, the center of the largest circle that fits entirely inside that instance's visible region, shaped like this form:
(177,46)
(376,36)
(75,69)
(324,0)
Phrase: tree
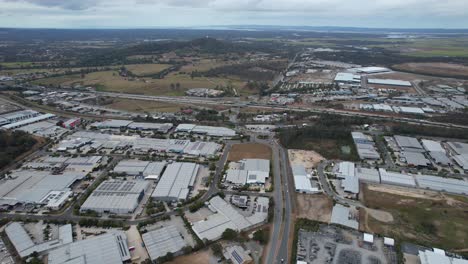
(230,234)
(261,236)
(217,249)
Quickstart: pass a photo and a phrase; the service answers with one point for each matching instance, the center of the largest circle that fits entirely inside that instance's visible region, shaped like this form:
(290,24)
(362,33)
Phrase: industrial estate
(274,146)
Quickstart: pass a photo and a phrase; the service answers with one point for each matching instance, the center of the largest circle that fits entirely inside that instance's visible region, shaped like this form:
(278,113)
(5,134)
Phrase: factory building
(147,169)
(116,197)
(109,248)
(162,241)
(19,115)
(225,216)
(409,144)
(346,172)
(206,130)
(249,171)
(25,246)
(176,182)
(349,78)
(302,183)
(345,216)
(394,178)
(365,146)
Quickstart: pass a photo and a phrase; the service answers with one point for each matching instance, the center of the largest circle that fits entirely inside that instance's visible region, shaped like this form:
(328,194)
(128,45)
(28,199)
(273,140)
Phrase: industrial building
(37,187)
(32,120)
(162,241)
(395,178)
(111,124)
(302,183)
(458,148)
(438,257)
(206,130)
(442,184)
(109,248)
(371,70)
(390,82)
(344,77)
(176,182)
(248,171)
(365,146)
(86,141)
(158,127)
(116,197)
(19,115)
(409,144)
(368,175)
(415,159)
(225,216)
(462,161)
(46,128)
(24,245)
(344,216)
(349,180)
(147,169)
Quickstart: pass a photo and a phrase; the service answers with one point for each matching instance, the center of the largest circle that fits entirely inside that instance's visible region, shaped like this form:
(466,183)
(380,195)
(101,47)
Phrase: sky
(195,13)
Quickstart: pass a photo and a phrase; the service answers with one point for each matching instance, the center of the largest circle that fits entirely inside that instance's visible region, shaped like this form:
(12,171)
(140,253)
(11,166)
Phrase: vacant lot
(196,257)
(316,207)
(141,106)
(174,84)
(430,219)
(306,158)
(438,69)
(249,151)
(146,69)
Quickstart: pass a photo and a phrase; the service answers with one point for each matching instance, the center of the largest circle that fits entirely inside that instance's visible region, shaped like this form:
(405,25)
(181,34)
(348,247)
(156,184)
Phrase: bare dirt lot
(306,158)
(197,257)
(249,151)
(438,69)
(316,207)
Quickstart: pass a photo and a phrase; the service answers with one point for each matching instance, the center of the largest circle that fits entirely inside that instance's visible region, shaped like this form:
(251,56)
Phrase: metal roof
(175,181)
(255,164)
(19,238)
(342,215)
(440,157)
(161,241)
(110,248)
(115,196)
(432,145)
(29,121)
(458,147)
(368,175)
(462,161)
(430,257)
(347,77)
(389,82)
(416,159)
(394,178)
(408,142)
(236,176)
(442,184)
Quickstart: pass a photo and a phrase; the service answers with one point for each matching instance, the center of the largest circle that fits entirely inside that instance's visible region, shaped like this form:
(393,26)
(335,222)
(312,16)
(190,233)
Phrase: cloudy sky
(183,13)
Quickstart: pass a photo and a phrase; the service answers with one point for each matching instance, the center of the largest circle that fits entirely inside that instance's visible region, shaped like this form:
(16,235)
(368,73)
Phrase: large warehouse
(176,182)
(116,197)
(162,241)
(152,170)
(206,130)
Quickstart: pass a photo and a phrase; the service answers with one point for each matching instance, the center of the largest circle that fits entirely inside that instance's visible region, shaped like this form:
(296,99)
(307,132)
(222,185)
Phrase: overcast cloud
(166,13)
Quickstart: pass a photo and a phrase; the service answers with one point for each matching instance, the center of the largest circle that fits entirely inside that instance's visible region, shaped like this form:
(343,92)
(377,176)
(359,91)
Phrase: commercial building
(176,182)
(458,148)
(71,123)
(147,169)
(344,216)
(371,70)
(302,183)
(249,171)
(206,130)
(162,241)
(462,161)
(109,248)
(116,197)
(111,124)
(346,172)
(432,146)
(225,216)
(240,201)
(46,128)
(24,245)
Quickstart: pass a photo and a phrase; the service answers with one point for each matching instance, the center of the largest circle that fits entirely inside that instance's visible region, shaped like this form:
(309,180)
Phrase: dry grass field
(438,69)
(249,151)
(421,216)
(316,207)
(142,106)
(146,69)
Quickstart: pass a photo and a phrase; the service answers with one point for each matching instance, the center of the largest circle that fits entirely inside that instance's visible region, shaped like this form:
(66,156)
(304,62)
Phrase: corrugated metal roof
(175,181)
(341,215)
(159,242)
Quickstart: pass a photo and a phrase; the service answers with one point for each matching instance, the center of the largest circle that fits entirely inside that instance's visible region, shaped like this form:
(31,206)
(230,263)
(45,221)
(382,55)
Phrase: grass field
(249,151)
(435,220)
(110,81)
(146,69)
(141,106)
(438,69)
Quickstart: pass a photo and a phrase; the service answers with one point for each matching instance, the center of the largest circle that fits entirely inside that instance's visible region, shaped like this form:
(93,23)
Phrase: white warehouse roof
(389,82)
(394,178)
(176,181)
(162,241)
(442,184)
